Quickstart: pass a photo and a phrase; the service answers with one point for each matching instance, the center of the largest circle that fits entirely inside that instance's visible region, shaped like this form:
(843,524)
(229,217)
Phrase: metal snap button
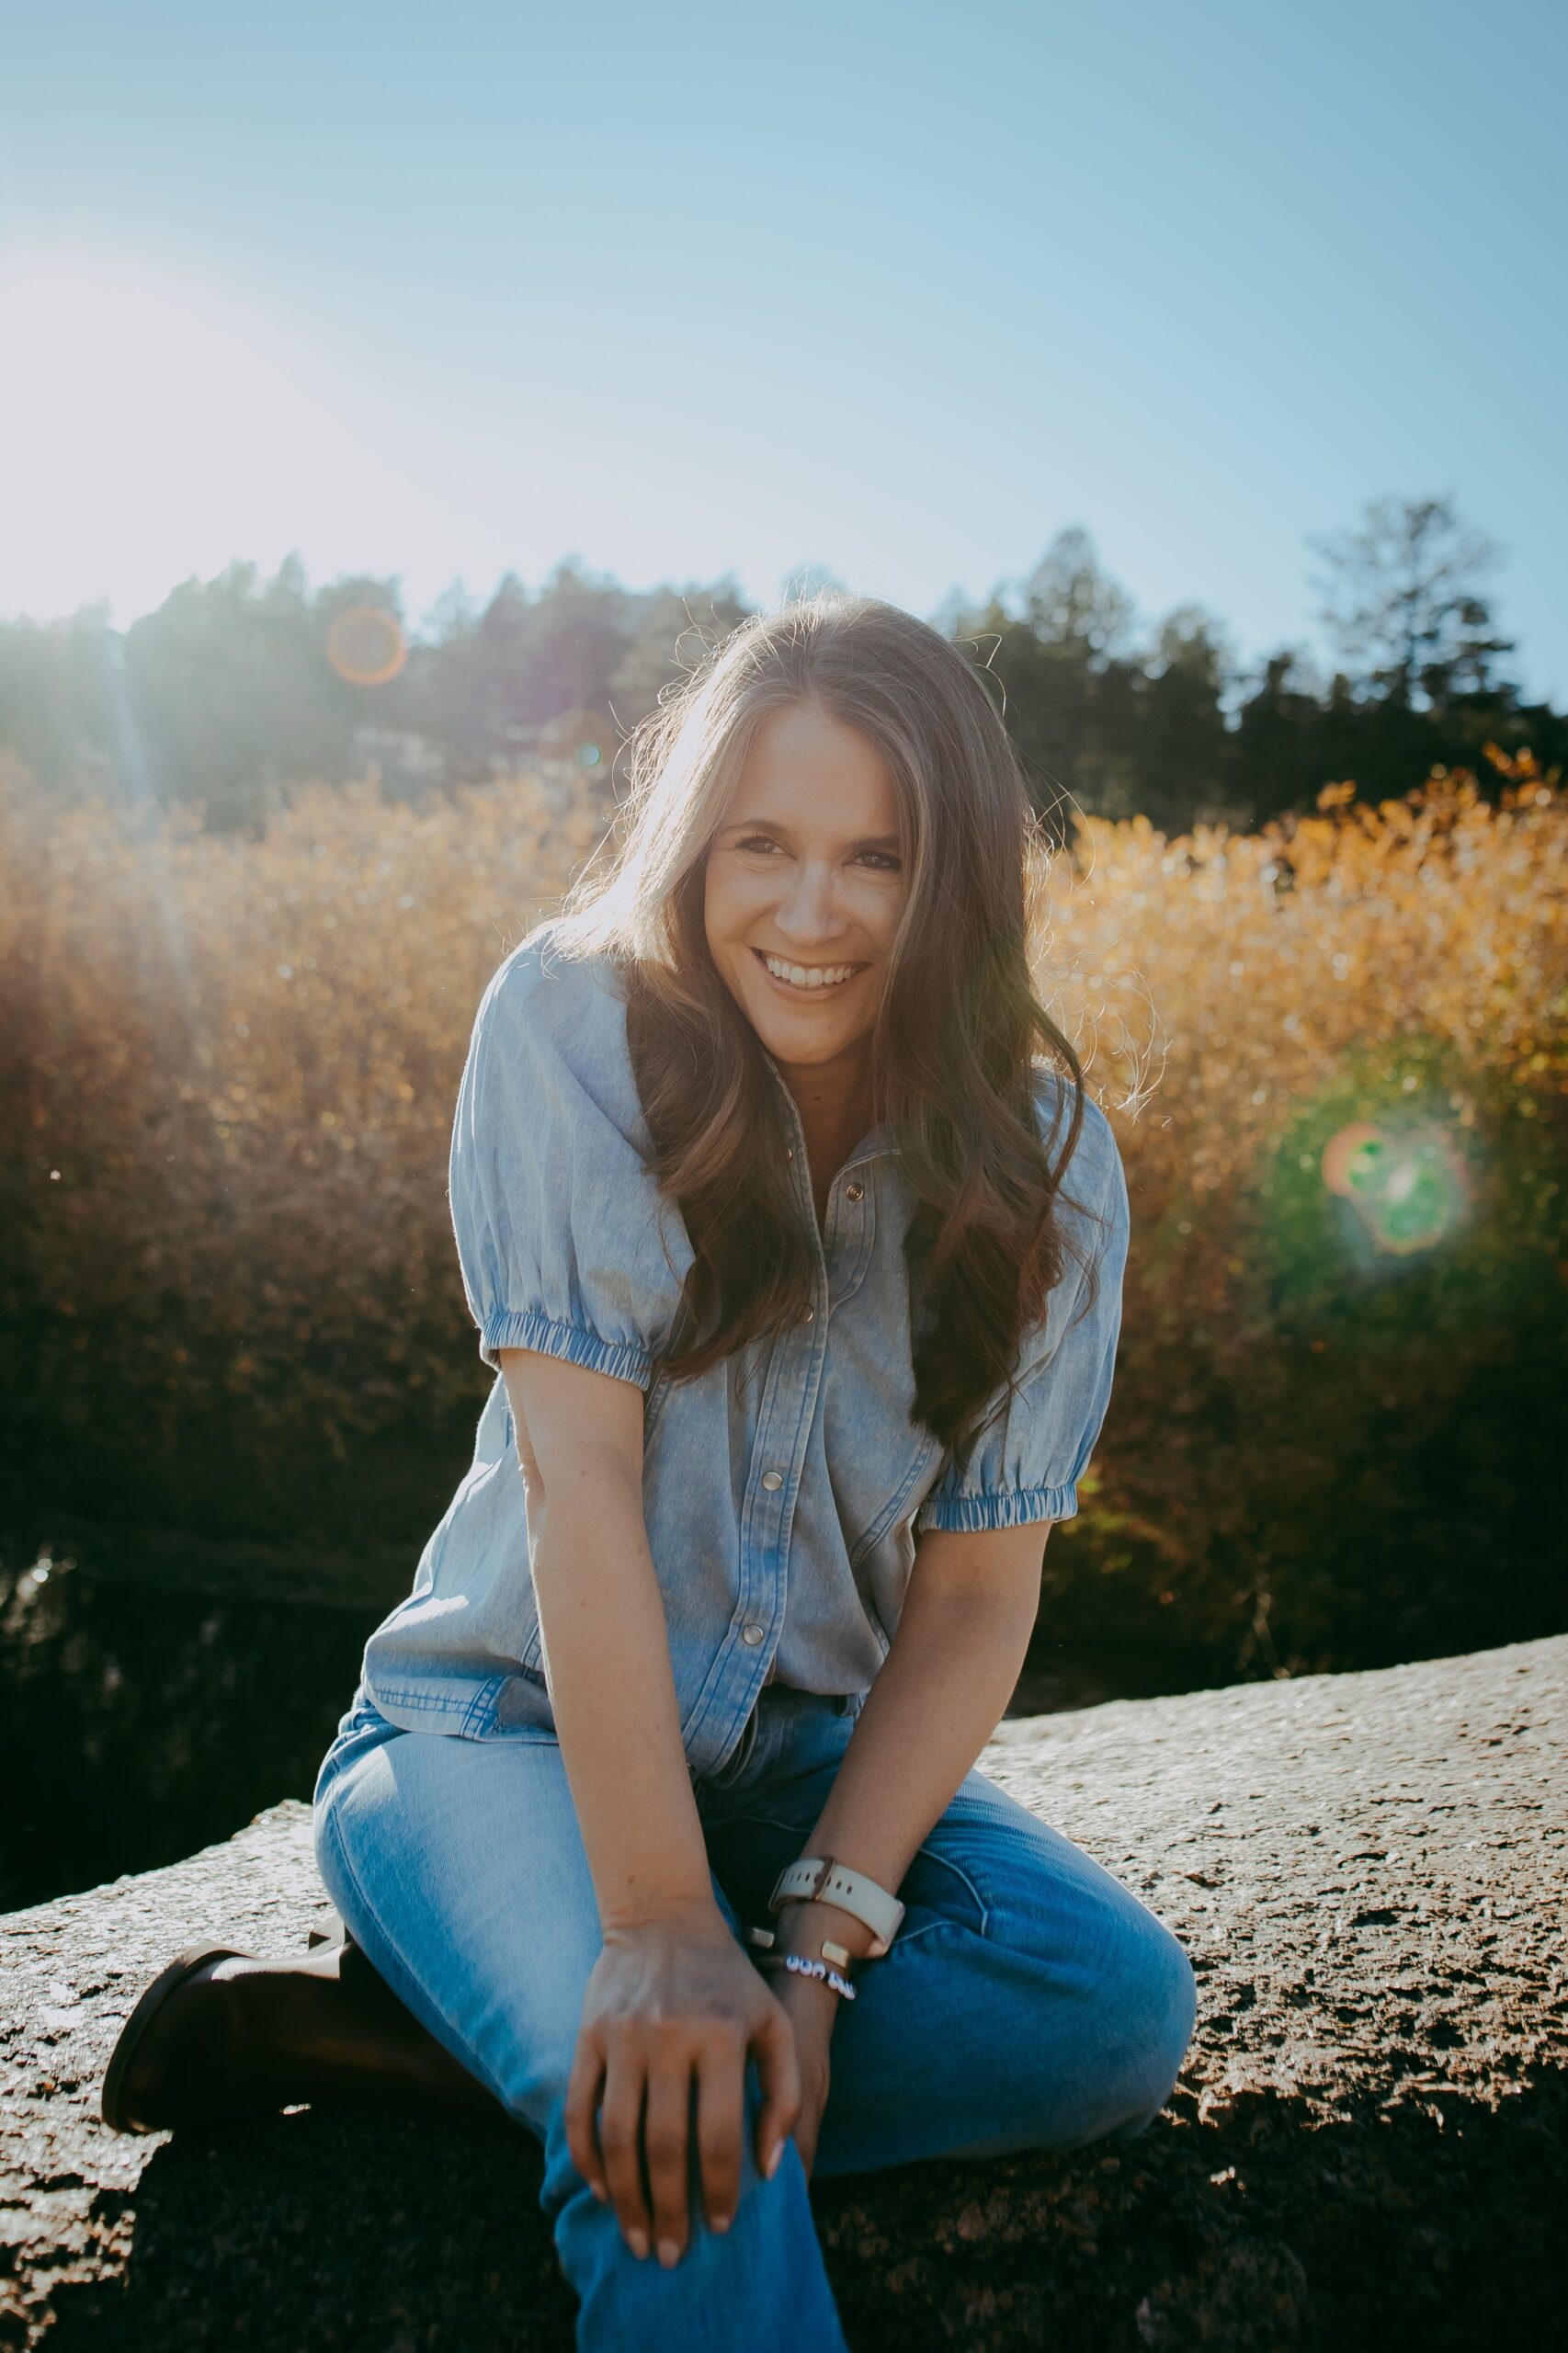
(771,1479)
(811,1314)
(752,1635)
(854,1192)
(789,1151)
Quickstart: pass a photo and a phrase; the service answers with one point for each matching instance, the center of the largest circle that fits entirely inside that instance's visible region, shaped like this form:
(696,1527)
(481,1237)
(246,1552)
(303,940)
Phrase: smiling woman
(797,1248)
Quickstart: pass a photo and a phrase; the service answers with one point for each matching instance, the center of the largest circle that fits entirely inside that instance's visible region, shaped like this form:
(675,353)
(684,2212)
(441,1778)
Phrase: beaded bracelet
(803,1964)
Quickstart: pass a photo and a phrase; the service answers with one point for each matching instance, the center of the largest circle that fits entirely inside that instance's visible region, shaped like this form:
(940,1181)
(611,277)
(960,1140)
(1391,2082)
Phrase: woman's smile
(807,979)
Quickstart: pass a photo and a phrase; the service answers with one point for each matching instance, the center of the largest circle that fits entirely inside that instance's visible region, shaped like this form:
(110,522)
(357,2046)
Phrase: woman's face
(806,880)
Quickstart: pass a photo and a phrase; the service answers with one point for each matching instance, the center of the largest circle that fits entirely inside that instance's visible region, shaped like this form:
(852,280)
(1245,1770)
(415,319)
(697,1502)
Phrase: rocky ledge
(1366,2148)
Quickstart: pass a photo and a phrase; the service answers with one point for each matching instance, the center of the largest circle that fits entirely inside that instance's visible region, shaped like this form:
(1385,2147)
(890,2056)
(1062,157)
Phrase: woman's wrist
(801,1926)
(814,1996)
(806,1947)
(677,1909)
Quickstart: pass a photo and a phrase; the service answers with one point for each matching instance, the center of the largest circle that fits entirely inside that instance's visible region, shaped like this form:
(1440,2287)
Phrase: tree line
(239,686)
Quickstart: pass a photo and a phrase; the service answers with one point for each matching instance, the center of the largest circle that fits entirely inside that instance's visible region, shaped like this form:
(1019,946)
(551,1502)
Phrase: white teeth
(809,976)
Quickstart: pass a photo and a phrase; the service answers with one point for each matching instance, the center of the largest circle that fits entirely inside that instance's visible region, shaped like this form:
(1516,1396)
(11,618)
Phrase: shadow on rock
(1251,2220)
(1259,2223)
(317,2230)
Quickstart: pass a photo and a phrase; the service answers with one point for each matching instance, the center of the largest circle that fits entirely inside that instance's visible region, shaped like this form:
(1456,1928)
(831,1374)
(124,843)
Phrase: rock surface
(1368,2147)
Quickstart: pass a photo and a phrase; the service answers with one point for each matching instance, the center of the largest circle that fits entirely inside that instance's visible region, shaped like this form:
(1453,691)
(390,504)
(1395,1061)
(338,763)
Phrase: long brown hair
(958,1030)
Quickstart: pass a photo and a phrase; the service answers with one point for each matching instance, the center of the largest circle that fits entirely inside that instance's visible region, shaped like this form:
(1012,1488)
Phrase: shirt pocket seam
(891,1510)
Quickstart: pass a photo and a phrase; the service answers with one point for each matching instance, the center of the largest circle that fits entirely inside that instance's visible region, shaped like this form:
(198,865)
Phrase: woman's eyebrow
(772,826)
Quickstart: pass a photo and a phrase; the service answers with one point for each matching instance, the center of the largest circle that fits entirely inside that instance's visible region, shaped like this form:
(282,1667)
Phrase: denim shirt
(784,1489)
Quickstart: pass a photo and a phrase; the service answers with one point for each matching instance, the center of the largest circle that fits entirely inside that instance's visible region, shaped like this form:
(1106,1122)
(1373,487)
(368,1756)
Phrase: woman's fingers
(658,2018)
(621,2135)
(581,2104)
(666,2134)
(721,2125)
(779,2073)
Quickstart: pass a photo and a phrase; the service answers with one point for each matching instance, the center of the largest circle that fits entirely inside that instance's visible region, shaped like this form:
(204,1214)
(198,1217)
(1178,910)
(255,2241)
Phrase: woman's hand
(670,1998)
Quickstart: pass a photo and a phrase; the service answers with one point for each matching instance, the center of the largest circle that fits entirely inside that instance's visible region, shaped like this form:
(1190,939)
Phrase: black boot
(220,2034)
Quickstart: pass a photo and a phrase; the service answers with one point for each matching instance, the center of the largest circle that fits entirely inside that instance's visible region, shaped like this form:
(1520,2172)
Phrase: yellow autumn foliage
(228,1074)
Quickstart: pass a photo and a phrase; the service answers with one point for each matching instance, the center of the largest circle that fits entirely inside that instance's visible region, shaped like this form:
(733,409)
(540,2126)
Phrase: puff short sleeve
(1034,1448)
(558,1221)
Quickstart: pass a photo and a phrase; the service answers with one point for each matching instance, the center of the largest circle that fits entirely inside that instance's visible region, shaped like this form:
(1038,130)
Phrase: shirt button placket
(752,1633)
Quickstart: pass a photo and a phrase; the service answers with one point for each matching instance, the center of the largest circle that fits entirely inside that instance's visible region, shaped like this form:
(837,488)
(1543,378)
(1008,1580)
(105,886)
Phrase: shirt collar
(873,1144)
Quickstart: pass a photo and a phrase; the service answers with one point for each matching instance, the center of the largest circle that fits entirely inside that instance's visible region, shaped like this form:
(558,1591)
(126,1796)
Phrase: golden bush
(1330,1434)
(228,1074)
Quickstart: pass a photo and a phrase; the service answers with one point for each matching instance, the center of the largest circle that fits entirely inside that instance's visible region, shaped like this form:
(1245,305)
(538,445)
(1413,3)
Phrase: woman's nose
(807,909)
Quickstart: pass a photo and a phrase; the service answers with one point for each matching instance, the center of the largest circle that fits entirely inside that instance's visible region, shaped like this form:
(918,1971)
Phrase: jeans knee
(1131,2024)
(1096,2043)
(1160,1994)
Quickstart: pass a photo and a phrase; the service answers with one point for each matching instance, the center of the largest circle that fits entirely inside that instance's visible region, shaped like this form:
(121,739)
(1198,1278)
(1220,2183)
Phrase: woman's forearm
(612,1692)
(948,1675)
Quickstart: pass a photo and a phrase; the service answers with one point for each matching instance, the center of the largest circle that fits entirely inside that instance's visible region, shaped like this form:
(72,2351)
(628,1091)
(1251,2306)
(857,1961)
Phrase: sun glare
(155,427)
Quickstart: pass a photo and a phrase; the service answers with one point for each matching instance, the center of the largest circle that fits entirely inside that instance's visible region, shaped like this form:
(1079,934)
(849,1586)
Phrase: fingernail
(772,2166)
(599,2193)
(669,2254)
(638,2242)
(722,2222)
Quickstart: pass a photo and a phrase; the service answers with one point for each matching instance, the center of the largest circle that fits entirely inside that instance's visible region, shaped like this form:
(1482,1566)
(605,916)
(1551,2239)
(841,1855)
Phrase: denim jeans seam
(975,1896)
(360,1720)
(926,1929)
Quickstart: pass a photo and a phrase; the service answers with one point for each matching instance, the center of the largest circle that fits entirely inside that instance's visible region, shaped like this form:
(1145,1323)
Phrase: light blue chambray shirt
(782,1509)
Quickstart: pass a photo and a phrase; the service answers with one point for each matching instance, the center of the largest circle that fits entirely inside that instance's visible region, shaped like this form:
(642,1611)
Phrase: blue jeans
(1028,2001)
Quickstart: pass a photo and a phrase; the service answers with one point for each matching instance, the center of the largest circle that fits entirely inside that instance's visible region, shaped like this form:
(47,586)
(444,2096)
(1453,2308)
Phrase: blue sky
(899,291)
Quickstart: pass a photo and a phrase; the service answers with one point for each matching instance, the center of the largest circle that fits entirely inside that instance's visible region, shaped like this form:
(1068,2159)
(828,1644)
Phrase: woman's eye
(886,861)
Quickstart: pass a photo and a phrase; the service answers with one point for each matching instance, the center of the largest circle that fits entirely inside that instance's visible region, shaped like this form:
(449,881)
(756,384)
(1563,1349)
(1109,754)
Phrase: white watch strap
(822,1879)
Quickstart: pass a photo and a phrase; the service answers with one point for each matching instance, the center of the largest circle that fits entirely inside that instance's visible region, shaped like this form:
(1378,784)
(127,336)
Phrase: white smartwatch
(822,1879)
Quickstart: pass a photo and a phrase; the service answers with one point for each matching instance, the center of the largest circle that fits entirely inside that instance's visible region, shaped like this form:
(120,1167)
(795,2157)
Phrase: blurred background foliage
(237,687)
(1335,1049)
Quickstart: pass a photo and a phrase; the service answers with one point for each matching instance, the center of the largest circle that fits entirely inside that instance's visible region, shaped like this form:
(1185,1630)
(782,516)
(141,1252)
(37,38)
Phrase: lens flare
(1408,1186)
(365,644)
(584,740)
